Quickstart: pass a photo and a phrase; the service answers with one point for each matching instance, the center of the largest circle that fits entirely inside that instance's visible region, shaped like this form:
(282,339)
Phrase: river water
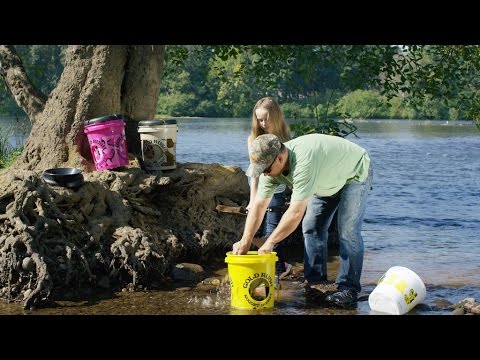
(423,213)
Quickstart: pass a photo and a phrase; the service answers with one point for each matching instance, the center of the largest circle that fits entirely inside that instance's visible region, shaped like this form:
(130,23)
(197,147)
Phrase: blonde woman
(267,118)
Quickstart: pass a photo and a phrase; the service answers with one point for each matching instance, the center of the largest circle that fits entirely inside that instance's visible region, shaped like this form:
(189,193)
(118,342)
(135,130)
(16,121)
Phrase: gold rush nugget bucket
(252,279)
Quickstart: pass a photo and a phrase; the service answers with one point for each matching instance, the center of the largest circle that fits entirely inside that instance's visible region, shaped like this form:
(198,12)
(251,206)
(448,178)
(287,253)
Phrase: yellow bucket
(252,279)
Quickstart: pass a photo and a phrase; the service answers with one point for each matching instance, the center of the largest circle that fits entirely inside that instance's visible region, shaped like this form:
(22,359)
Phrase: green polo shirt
(319,164)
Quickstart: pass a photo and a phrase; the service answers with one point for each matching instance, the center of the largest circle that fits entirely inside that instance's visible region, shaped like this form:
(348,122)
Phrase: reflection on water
(423,213)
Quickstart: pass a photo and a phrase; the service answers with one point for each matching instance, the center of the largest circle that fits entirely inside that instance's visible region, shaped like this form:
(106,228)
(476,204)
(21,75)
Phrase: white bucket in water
(158,142)
(398,291)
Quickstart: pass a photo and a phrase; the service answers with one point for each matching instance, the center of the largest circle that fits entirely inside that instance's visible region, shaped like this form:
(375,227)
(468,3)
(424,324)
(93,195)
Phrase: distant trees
(310,80)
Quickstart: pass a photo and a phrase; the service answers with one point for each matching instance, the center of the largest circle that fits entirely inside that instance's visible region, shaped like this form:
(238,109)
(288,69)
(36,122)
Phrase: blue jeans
(350,202)
(270,222)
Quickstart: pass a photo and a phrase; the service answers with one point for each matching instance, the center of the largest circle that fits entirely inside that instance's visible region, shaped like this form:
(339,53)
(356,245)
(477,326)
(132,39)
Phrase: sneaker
(288,270)
(345,298)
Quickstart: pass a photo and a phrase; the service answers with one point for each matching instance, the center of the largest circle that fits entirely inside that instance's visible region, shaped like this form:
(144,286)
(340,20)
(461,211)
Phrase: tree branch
(26,95)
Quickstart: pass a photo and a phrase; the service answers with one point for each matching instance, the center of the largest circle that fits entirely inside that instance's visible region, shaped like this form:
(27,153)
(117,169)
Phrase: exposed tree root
(127,226)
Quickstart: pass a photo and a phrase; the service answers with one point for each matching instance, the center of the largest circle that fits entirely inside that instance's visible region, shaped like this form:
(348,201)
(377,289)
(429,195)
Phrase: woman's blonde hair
(278,125)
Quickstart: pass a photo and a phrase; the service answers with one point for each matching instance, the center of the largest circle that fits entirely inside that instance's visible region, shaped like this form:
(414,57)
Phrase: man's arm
(253,222)
(288,223)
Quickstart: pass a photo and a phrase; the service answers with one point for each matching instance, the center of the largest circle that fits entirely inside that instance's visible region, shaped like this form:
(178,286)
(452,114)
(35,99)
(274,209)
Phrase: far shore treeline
(198,83)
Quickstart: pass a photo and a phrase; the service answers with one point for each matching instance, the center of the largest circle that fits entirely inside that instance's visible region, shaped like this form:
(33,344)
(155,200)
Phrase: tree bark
(97,80)
(141,89)
(26,95)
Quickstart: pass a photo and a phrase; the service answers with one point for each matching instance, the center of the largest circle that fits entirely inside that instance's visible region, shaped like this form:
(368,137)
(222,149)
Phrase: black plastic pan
(66,177)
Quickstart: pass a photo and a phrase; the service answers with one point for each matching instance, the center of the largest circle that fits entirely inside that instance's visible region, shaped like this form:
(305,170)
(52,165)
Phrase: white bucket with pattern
(158,140)
(398,291)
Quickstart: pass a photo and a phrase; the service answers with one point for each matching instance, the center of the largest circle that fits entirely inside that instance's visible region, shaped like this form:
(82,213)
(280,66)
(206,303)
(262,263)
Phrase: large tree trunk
(97,80)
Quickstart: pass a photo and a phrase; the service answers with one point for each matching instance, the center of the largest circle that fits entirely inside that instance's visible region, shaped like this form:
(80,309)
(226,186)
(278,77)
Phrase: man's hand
(266,248)
(254,219)
(240,248)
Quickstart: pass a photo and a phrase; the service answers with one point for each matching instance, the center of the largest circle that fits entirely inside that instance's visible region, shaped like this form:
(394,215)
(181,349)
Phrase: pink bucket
(106,136)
